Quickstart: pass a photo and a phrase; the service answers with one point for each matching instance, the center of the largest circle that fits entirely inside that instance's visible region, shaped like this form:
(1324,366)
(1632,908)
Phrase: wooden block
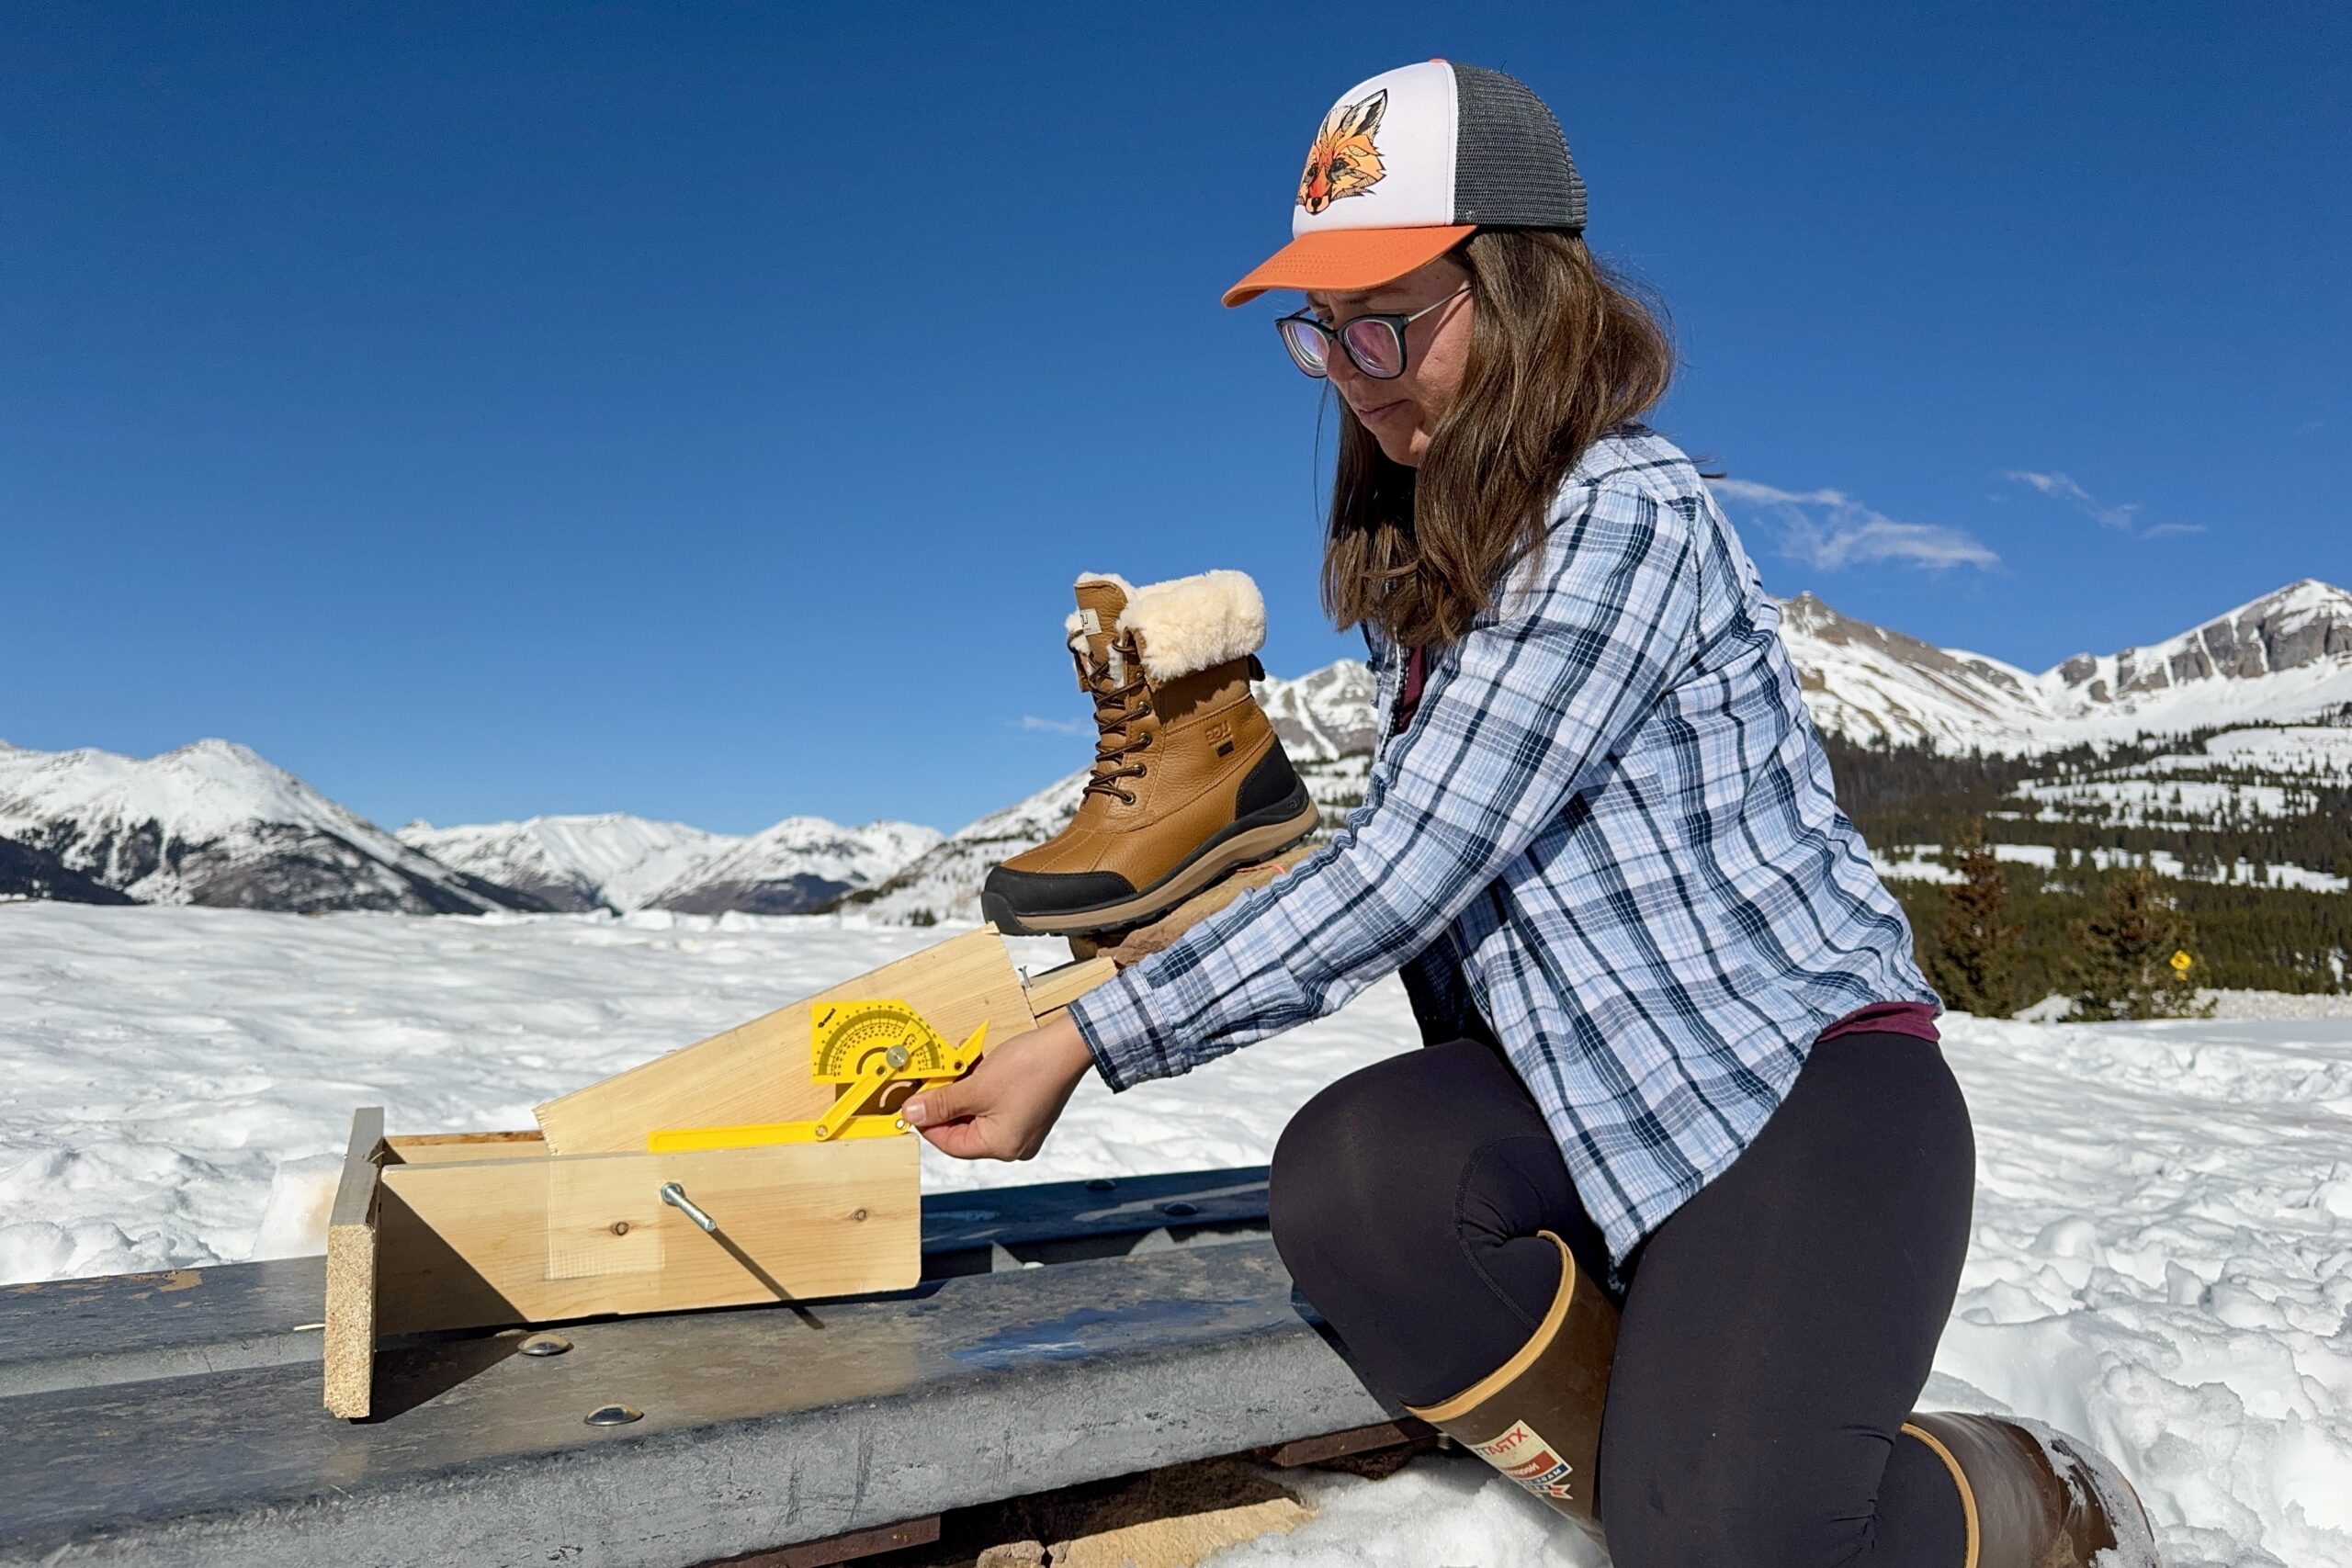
(349,1350)
(433,1148)
(1056,988)
(759,1071)
(472,1245)
(1138,942)
(847,1547)
(1354,1441)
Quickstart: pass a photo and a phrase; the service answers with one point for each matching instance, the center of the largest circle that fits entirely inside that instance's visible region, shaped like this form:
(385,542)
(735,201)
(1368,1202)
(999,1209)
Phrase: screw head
(1179,1211)
(615,1416)
(544,1345)
(1100,1184)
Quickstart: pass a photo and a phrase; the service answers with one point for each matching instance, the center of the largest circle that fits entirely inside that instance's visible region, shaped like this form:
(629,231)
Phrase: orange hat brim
(1345,261)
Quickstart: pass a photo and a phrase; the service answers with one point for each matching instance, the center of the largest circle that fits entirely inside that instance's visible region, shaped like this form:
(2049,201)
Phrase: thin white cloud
(2061,488)
(1828,529)
(1033,725)
(2167,530)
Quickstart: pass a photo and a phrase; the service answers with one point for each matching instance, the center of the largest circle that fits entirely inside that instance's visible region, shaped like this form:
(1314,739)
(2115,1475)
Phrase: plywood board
(508,1241)
(759,1071)
(349,1350)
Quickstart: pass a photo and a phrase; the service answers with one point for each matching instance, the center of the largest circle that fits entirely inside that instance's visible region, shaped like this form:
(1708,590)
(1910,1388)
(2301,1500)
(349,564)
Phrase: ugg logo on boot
(1220,735)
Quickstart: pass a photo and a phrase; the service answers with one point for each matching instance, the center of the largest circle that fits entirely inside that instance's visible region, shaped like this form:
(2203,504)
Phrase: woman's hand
(1005,1107)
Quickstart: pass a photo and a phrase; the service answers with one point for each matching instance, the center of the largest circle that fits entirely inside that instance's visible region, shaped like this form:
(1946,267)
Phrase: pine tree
(1974,962)
(2126,959)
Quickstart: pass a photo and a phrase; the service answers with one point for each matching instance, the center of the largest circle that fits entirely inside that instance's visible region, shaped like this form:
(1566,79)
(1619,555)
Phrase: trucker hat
(1409,162)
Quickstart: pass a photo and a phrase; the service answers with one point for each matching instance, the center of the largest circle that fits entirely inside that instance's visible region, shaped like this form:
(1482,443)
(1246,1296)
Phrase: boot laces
(1116,708)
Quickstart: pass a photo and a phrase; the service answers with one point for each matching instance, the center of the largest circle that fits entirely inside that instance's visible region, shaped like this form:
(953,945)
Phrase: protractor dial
(847,1038)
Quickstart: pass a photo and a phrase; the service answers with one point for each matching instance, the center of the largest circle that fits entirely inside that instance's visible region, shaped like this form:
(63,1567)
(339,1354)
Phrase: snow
(2160,1262)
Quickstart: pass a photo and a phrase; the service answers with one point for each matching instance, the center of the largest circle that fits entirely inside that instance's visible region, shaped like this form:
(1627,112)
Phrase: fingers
(957,1122)
(948,1102)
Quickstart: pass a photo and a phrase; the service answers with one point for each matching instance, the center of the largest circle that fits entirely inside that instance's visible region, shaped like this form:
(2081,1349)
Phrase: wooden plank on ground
(500,1242)
(349,1350)
(759,1071)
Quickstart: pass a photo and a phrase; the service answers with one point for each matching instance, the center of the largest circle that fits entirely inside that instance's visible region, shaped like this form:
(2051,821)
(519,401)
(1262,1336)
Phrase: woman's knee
(1328,1184)
(1362,1197)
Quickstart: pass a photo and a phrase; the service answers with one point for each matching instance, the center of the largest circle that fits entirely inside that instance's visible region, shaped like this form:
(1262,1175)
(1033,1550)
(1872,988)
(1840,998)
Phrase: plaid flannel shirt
(1609,828)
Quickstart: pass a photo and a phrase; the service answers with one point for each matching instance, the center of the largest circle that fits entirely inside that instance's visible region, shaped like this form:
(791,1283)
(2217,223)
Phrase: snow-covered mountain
(1322,715)
(2284,657)
(1867,684)
(622,862)
(215,824)
(801,863)
(609,862)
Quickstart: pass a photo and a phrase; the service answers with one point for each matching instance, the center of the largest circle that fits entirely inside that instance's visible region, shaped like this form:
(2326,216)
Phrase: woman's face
(1401,414)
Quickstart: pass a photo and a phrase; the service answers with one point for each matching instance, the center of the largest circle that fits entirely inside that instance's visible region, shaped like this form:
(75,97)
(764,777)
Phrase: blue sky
(700,409)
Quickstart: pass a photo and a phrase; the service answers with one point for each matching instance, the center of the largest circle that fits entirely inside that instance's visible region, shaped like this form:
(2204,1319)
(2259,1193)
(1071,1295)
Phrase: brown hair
(1561,352)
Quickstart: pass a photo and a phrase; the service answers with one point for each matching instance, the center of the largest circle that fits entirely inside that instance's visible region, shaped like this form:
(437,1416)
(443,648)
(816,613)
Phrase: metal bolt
(897,1056)
(615,1416)
(675,1196)
(544,1345)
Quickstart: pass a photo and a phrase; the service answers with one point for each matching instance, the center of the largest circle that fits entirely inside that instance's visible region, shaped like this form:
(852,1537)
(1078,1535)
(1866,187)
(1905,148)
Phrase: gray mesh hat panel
(1511,164)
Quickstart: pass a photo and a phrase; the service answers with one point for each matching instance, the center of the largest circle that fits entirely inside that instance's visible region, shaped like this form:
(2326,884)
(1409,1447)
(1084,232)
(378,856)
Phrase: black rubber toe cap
(1019,892)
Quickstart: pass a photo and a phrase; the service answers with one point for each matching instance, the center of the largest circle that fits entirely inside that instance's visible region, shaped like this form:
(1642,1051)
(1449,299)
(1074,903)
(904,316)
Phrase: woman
(1667,1219)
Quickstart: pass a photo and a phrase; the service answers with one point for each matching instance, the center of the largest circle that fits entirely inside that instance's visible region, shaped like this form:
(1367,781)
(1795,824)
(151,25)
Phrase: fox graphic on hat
(1345,160)
(1405,166)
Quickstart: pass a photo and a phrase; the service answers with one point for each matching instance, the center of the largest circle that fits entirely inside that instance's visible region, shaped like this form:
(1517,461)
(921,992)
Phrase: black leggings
(1777,1329)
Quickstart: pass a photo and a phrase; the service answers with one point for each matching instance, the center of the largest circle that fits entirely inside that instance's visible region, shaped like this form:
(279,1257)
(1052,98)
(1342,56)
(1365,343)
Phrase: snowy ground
(2162,1259)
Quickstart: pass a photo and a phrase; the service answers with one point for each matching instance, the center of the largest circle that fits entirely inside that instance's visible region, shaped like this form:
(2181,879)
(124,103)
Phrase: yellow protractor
(881,1052)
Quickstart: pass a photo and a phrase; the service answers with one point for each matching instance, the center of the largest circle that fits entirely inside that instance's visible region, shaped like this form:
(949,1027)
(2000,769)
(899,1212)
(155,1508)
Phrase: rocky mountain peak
(2304,624)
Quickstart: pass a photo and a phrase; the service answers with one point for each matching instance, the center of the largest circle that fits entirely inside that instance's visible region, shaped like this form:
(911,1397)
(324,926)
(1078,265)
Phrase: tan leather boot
(1537,1416)
(1188,779)
(2035,1498)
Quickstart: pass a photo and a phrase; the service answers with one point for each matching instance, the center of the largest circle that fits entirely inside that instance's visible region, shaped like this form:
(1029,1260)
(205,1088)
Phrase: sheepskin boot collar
(1178,627)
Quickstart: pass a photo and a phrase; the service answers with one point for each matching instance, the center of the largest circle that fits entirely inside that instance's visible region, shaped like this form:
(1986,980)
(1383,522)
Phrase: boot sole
(1252,839)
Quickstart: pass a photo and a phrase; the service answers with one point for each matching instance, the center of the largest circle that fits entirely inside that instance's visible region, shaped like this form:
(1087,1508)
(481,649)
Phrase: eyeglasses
(1375,344)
